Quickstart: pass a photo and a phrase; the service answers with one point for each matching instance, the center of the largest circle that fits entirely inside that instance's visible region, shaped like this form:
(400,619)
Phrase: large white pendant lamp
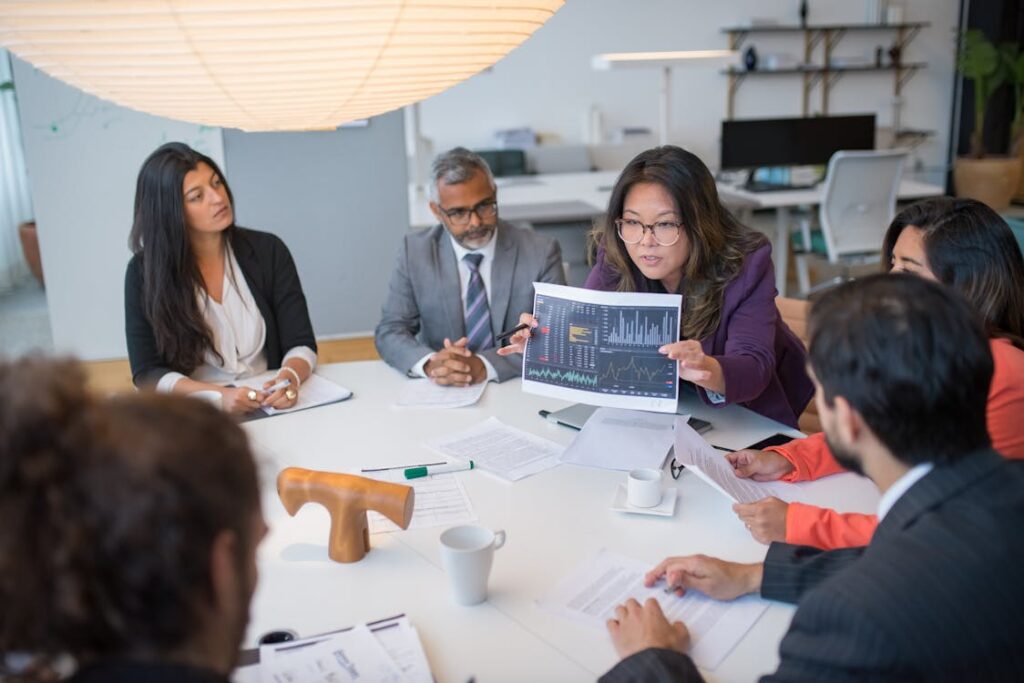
(267,65)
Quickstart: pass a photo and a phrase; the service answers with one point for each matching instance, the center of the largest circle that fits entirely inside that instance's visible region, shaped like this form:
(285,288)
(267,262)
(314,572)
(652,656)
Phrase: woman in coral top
(961,243)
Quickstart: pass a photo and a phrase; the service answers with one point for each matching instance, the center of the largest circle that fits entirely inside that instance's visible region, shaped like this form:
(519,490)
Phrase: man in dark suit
(457,285)
(902,369)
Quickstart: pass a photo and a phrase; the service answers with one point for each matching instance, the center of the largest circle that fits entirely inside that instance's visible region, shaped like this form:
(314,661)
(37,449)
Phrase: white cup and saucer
(643,493)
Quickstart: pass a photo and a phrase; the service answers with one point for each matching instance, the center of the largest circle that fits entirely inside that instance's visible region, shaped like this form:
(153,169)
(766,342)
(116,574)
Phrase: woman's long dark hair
(970,248)
(110,508)
(170,274)
(718,242)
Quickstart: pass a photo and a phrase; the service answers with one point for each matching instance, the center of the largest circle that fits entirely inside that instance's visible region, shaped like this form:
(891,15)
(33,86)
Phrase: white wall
(548,82)
(82,156)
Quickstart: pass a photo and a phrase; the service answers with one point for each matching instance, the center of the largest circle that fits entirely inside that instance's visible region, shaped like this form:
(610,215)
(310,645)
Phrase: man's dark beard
(844,457)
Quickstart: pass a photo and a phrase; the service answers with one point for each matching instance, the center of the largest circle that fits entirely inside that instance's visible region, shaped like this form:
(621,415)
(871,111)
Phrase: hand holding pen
(518,336)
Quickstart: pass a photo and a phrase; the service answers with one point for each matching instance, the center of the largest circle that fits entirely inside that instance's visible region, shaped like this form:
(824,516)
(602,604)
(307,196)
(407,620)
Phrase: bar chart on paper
(602,347)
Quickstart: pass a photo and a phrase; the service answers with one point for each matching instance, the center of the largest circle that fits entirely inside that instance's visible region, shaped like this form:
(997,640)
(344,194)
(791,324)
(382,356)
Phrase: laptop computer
(576,415)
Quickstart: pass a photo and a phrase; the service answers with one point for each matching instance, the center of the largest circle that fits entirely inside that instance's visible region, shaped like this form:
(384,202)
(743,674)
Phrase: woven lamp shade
(270,65)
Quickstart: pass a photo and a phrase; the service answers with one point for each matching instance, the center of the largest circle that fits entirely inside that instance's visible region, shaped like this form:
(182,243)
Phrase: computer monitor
(756,143)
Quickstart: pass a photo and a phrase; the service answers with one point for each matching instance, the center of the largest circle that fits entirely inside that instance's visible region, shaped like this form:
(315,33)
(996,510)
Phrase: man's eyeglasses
(666,233)
(487,211)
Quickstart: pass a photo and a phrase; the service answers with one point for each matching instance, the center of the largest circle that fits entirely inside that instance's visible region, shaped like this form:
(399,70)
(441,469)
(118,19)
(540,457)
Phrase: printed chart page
(601,348)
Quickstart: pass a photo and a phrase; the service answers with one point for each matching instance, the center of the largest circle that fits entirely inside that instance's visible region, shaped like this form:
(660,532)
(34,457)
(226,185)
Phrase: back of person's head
(970,248)
(910,356)
(110,508)
(170,273)
(718,243)
(455,167)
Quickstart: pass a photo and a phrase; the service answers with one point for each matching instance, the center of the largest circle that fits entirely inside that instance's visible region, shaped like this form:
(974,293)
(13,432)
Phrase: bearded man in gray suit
(457,285)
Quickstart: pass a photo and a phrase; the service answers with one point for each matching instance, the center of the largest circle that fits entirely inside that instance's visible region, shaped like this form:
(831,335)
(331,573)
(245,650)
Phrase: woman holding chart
(666,231)
(207,302)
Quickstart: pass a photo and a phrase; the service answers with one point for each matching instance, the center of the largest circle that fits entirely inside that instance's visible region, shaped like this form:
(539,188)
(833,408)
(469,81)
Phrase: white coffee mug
(210,395)
(643,488)
(466,555)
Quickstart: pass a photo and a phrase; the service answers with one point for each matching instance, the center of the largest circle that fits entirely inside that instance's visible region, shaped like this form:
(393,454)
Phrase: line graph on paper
(602,348)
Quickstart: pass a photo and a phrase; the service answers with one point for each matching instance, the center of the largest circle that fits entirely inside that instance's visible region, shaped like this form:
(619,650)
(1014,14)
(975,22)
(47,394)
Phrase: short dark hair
(912,357)
(110,509)
(971,249)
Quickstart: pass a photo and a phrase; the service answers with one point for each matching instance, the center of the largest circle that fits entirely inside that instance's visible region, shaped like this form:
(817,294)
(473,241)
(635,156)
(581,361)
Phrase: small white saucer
(666,508)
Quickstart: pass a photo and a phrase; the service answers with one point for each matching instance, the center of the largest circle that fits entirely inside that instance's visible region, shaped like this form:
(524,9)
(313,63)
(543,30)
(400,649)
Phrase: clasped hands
(455,365)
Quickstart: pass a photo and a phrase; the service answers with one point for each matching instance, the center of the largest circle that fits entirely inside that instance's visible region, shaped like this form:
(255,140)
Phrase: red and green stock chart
(604,348)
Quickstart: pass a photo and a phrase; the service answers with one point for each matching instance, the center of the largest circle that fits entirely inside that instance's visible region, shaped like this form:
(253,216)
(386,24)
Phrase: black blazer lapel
(942,483)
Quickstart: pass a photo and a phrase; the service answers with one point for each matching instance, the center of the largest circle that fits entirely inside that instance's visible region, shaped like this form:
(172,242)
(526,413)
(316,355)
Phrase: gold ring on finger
(290,394)
(251,395)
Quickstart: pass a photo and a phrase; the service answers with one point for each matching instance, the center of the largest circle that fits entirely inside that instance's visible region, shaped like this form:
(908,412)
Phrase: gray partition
(339,201)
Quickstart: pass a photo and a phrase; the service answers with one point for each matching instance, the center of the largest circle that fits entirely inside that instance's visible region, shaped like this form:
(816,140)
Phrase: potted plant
(27,230)
(1013,59)
(987,178)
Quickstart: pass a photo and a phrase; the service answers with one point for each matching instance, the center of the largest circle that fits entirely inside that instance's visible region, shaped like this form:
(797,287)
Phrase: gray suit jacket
(936,596)
(424,303)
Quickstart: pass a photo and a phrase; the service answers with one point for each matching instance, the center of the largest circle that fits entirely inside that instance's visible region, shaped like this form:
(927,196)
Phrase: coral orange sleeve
(1006,400)
(827,529)
(810,456)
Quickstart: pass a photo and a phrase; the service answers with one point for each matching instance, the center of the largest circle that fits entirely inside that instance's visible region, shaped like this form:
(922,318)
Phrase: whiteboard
(83,155)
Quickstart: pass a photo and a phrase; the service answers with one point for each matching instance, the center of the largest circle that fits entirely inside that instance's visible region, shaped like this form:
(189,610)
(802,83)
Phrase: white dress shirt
(901,486)
(464,274)
(239,334)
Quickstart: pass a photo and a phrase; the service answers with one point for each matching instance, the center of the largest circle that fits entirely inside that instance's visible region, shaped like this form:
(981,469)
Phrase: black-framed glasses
(676,468)
(487,211)
(666,233)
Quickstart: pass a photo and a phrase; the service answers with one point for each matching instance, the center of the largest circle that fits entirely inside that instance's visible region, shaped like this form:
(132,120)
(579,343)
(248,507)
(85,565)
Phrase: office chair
(858,203)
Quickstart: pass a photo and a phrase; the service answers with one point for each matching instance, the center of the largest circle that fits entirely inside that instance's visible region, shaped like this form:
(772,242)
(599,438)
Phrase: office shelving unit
(825,74)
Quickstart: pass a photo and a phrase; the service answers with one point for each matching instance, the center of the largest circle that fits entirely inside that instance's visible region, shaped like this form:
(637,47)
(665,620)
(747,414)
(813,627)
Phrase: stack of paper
(619,439)
(505,451)
(422,393)
(440,500)
(701,458)
(315,391)
(388,651)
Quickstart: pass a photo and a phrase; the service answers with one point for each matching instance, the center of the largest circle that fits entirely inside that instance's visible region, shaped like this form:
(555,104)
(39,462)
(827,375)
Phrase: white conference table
(566,196)
(555,520)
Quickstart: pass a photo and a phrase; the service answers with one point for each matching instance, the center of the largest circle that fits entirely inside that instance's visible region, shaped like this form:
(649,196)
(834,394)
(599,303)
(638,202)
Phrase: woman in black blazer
(207,302)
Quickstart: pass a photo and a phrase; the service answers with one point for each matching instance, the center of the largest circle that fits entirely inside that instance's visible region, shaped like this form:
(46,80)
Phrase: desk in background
(555,520)
(565,197)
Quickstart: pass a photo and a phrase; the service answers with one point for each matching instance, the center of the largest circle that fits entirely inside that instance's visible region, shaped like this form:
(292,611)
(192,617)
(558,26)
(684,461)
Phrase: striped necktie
(478,313)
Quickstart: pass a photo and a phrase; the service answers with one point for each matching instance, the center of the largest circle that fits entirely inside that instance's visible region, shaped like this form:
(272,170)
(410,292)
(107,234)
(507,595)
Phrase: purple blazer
(762,360)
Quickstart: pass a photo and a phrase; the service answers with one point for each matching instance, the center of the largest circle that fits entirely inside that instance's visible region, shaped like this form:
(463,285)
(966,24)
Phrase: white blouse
(239,334)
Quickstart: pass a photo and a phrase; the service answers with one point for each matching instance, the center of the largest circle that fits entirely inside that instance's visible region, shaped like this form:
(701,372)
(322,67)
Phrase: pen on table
(401,467)
(283,384)
(546,414)
(417,472)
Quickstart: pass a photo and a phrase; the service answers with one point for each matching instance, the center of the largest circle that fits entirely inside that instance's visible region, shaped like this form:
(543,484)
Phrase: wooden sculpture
(347,497)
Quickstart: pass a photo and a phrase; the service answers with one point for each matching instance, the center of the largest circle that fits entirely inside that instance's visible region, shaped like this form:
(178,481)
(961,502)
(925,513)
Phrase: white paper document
(422,393)
(315,391)
(348,656)
(617,439)
(440,500)
(601,348)
(710,465)
(388,650)
(510,453)
(591,593)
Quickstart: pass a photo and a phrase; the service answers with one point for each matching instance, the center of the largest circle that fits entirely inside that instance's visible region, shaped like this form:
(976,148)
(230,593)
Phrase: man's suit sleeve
(654,664)
(792,570)
(508,367)
(400,322)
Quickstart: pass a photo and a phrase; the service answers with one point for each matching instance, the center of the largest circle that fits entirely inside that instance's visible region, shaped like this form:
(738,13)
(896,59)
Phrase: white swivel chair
(857,205)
